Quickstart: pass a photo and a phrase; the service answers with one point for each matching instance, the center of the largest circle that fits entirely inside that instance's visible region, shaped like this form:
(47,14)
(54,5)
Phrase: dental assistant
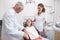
(39,18)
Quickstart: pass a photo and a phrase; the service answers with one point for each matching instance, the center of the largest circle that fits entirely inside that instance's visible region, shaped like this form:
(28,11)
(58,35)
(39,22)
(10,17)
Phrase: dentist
(11,30)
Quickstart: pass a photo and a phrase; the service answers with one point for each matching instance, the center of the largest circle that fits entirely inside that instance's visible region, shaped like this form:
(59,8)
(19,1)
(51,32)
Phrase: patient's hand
(27,37)
(26,33)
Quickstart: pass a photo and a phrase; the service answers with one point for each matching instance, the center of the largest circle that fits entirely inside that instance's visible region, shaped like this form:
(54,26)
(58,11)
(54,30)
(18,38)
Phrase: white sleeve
(9,27)
(44,18)
(20,27)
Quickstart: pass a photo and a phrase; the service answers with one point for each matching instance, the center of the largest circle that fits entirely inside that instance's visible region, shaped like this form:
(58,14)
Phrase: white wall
(29,9)
(57,11)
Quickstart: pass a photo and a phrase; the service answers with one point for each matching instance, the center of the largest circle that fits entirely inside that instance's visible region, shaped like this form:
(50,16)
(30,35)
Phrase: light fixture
(30,1)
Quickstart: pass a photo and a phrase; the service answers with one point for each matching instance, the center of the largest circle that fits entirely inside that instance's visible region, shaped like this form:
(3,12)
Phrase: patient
(31,32)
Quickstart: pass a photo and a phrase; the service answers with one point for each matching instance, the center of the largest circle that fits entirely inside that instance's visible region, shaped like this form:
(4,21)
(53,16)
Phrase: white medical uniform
(11,30)
(39,22)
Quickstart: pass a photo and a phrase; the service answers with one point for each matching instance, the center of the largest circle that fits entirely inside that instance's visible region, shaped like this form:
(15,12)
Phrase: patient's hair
(25,25)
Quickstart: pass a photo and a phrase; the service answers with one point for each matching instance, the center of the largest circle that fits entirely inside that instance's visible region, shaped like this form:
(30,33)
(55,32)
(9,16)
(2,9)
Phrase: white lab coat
(39,22)
(11,30)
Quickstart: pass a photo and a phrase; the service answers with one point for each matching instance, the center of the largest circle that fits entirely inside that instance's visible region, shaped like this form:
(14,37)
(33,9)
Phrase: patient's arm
(27,36)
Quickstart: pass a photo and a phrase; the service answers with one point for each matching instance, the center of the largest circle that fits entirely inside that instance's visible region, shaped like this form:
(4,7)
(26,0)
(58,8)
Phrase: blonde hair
(28,19)
(19,4)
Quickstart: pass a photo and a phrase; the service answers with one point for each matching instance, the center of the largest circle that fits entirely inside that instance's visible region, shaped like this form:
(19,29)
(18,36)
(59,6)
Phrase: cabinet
(57,35)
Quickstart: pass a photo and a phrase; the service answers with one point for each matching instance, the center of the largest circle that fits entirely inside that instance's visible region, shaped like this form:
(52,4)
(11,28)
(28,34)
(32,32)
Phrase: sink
(57,24)
(56,27)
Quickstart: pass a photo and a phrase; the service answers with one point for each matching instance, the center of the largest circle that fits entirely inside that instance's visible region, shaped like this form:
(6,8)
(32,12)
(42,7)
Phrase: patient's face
(29,22)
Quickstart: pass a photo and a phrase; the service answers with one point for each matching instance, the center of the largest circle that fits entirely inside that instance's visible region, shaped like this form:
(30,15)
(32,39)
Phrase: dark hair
(40,4)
